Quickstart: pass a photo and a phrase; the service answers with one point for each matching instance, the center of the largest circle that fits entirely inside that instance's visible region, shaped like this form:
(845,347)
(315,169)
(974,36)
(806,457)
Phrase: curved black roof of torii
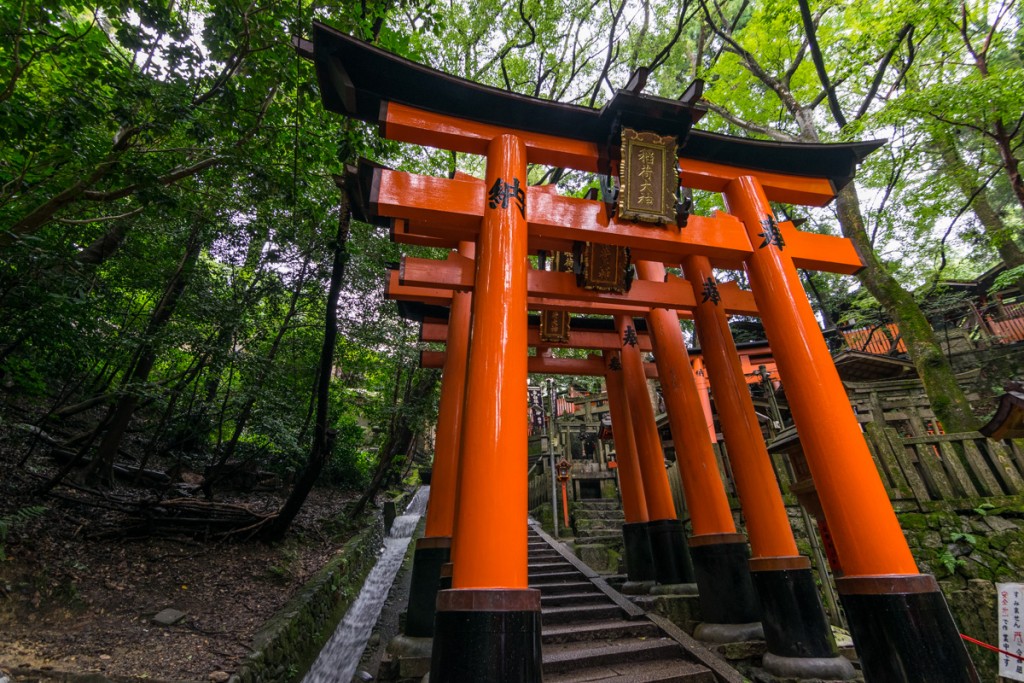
(356,79)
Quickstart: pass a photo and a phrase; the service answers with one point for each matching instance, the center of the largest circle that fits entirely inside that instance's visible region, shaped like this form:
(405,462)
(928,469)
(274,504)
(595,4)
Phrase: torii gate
(798,636)
(899,618)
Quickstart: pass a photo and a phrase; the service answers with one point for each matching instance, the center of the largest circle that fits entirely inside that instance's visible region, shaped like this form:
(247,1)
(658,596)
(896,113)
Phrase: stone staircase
(592,633)
(598,520)
(598,538)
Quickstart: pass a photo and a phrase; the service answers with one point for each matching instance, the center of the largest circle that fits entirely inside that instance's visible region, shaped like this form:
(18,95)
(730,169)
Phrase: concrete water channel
(339,658)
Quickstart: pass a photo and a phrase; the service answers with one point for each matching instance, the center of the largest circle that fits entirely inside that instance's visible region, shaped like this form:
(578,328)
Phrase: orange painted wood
(707,175)
(767,522)
(457,205)
(875,339)
(645,430)
(827,253)
(436,211)
(542,303)
(434,296)
(408,124)
(442,207)
(698,467)
(441,507)
(567,219)
(736,301)
(489,543)
(631,485)
(547,287)
(546,365)
(867,535)
(400,234)
(455,272)
(578,339)
(700,377)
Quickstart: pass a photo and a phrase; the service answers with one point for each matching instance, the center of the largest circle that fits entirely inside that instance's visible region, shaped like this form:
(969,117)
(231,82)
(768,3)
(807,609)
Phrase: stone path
(590,632)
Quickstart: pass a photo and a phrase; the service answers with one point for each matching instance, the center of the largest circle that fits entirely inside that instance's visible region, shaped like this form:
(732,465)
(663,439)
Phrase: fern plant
(15,520)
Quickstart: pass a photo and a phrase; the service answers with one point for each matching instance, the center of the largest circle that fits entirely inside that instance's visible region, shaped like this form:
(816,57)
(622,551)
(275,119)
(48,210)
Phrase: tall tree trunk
(102,465)
(323,436)
(104,246)
(946,397)
(944,394)
(999,235)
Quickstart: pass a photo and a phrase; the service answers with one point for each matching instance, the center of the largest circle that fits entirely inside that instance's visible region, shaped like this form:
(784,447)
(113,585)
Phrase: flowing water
(338,660)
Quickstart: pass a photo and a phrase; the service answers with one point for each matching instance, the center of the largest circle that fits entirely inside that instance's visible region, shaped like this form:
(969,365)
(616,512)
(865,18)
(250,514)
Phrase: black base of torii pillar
(430,555)
(904,631)
(487,635)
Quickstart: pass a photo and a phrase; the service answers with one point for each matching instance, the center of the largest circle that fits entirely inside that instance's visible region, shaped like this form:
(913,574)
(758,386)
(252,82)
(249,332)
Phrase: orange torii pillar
(635,541)
(434,549)
(668,544)
(489,608)
(798,635)
(899,619)
(728,602)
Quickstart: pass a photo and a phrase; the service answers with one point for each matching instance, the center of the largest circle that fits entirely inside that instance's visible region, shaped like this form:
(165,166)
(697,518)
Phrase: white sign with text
(1009,602)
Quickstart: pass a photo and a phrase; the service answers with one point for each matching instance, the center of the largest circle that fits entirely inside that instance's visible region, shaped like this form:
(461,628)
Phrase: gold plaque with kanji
(554,327)
(605,268)
(647,175)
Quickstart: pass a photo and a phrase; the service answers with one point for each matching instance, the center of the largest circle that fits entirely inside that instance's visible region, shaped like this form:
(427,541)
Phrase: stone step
(602,512)
(560,657)
(598,504)
(612,515)
(596,523)
(585,635)
(564,587)
(600,535)
(549,567)
(565,599)
(599,630)
(659,671)
(555,577)
(579,613)
(545,556)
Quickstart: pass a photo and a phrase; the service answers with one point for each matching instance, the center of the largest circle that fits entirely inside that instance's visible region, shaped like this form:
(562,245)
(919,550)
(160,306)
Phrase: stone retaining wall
(289,642)
(969,551)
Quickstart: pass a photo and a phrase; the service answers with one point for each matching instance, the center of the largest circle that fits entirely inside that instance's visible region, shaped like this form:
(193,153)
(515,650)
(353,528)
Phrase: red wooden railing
(876,339)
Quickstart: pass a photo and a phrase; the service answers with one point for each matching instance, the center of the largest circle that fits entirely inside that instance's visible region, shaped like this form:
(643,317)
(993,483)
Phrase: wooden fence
(539,486)
(914,470)
(946,466)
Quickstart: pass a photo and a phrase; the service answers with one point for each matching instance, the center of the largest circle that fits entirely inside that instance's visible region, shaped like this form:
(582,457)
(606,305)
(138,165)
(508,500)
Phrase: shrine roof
(860,366)
(358,80)
(1008,421)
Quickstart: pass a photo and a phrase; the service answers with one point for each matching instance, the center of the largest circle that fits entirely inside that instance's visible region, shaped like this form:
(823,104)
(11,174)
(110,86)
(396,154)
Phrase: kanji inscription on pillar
(648,177)
(1009,603)
(630,336)
(502,192)
(710,291)
(771,234)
